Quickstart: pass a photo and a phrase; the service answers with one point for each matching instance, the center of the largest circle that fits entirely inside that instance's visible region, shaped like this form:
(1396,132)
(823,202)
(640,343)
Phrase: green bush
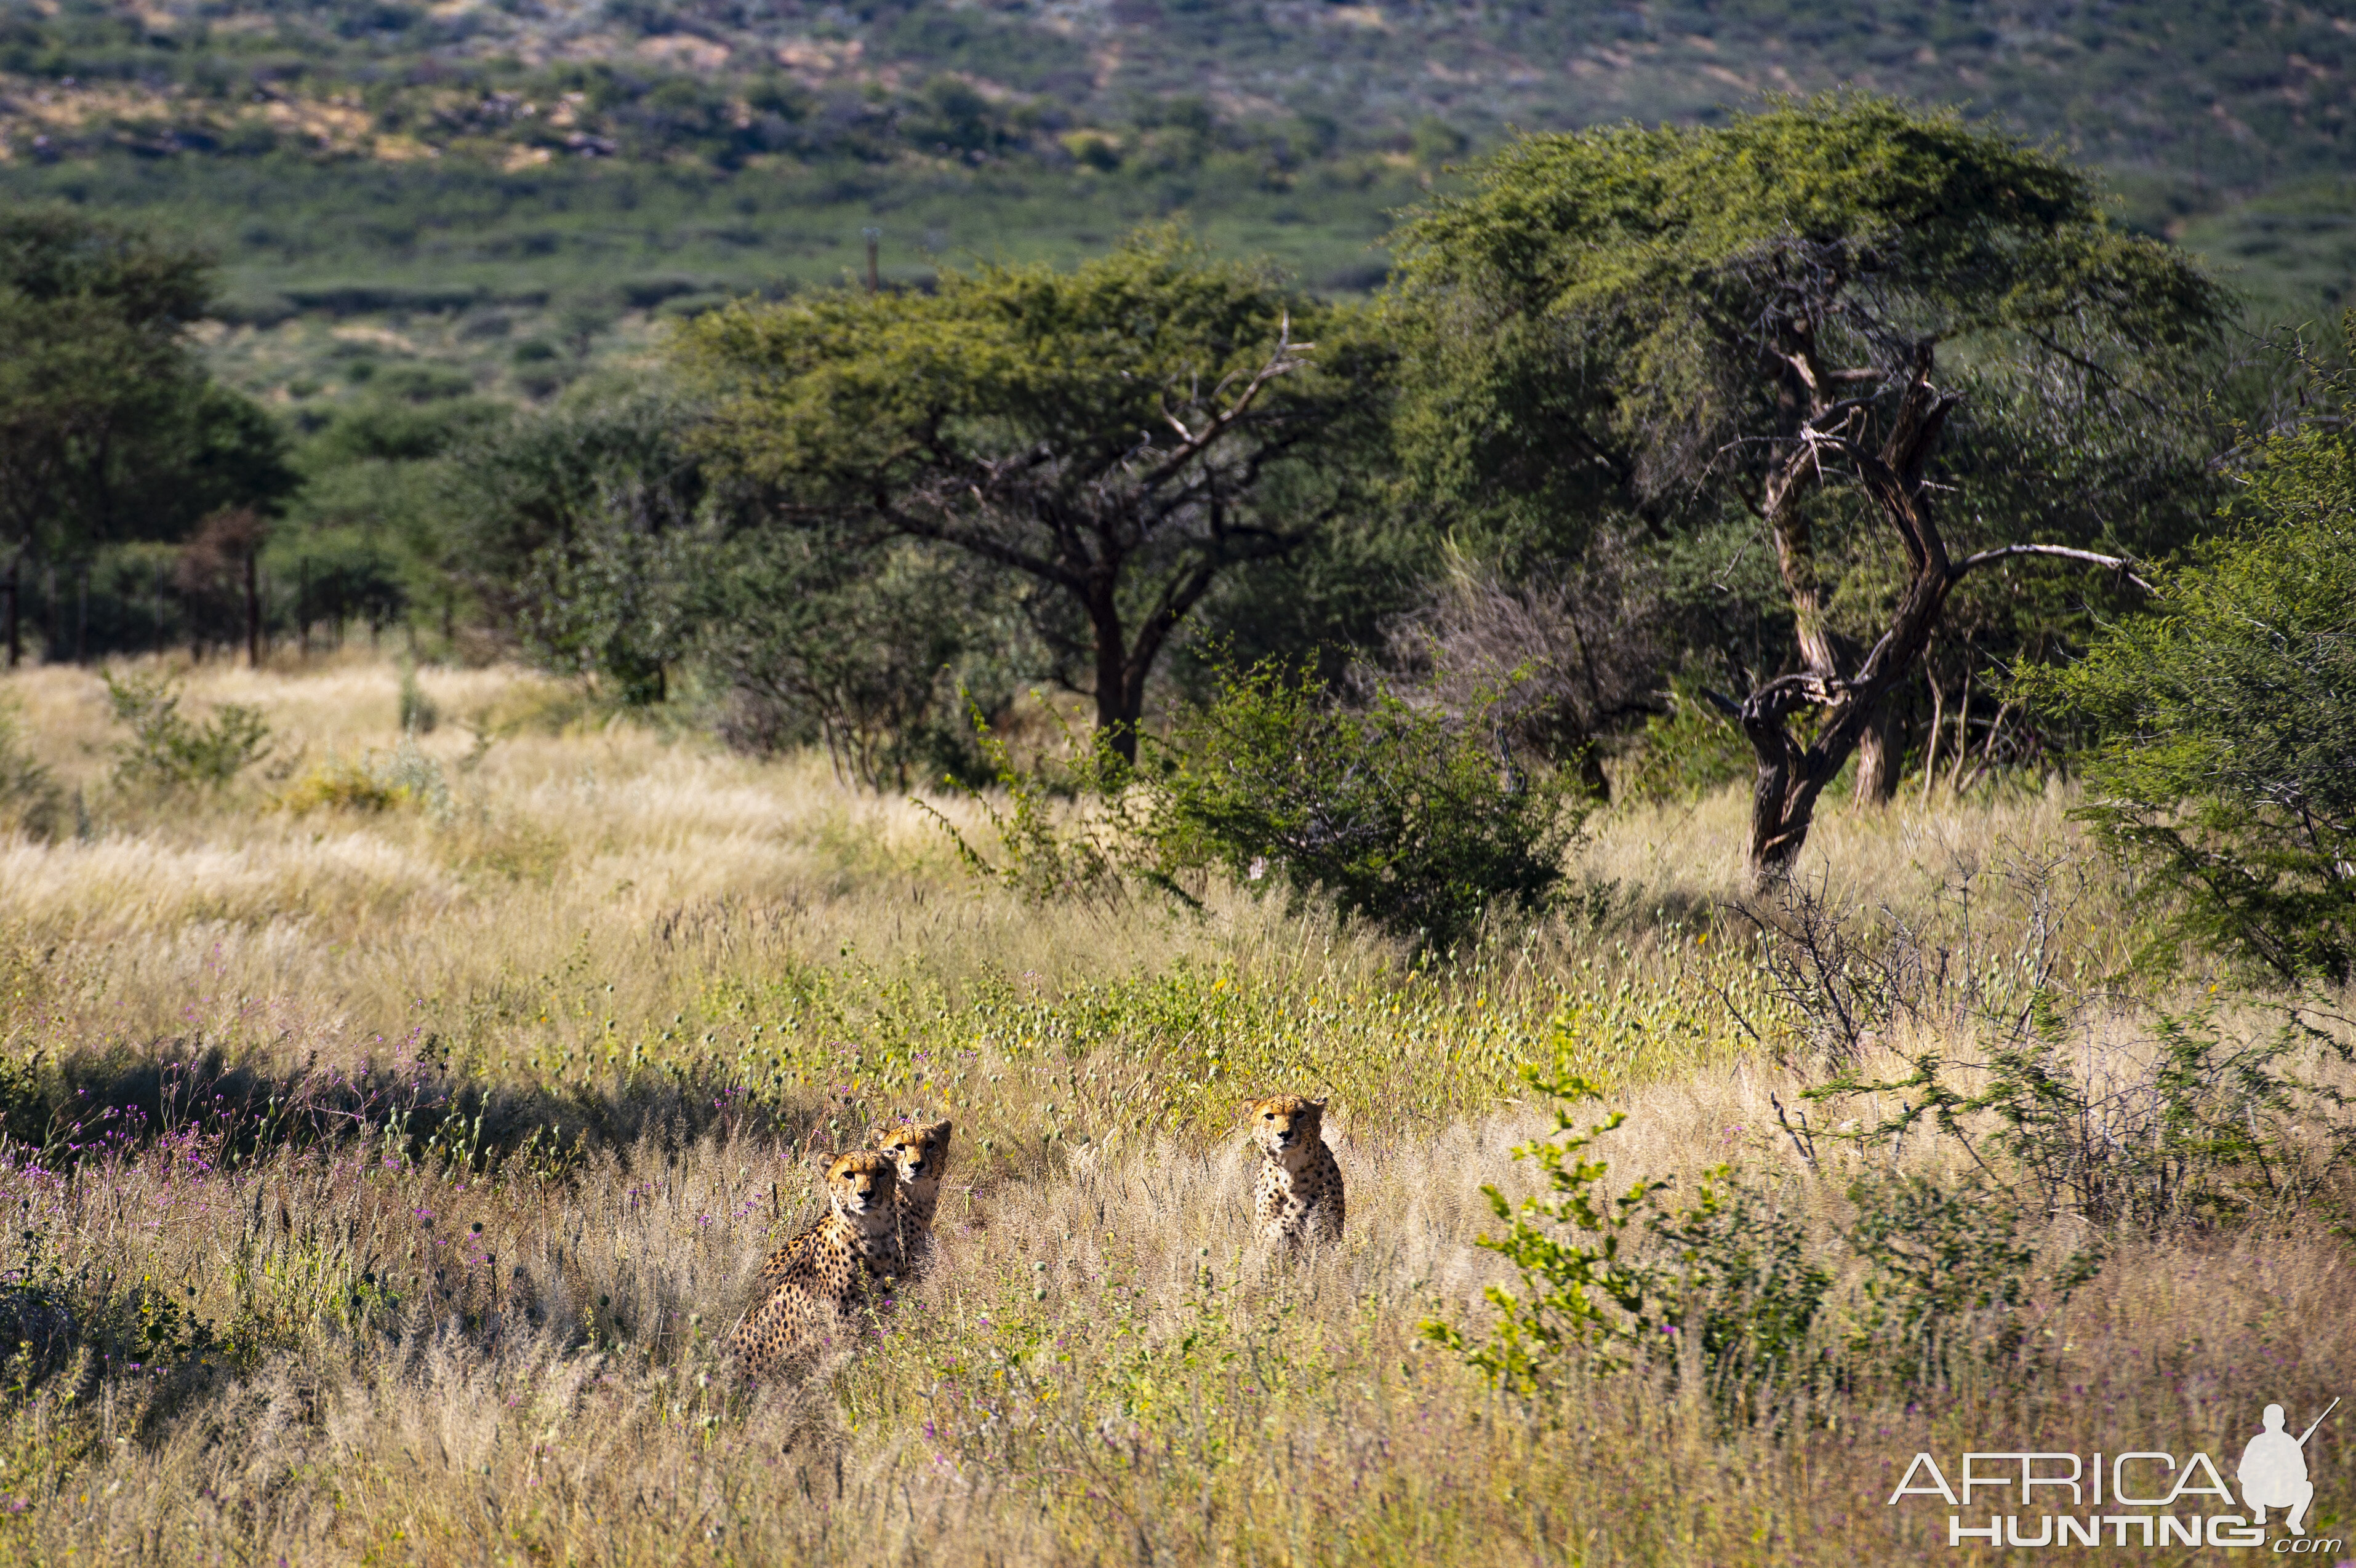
(1688,752)
(1727,1286)
(1744,1286)
(874,653)
(1405,814)
(1088,853)
(2226,762)
(1584,1301)
(168,750)
(2211,1129)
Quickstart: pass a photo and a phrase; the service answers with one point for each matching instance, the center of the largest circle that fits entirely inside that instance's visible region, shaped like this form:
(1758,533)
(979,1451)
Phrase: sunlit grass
(514,1096)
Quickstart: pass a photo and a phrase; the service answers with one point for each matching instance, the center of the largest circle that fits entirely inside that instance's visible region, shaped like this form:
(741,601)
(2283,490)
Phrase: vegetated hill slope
(2227,94)
(580,166)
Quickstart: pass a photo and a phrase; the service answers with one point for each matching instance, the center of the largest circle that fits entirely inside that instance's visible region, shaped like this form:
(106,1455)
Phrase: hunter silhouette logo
(2273,1471)
(2139,1497)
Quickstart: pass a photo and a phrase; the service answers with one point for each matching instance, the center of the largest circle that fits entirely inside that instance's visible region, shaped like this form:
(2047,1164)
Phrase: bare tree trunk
(1117,705)
(1791,775)
(1930,746)
(15,589)
(303,606)
(1880,753)
(81,615)
(252,608)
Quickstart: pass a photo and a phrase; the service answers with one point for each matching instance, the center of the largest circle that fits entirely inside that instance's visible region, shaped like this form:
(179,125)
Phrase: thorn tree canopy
(1785,312)
(1120,435)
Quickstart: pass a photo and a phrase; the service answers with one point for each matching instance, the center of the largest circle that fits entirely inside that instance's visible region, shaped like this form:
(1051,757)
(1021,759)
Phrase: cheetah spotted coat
(819,1279)
(1298,1197)
(922,1153)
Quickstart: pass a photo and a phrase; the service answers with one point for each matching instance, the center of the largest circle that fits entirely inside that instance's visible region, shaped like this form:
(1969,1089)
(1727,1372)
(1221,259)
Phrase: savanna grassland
(393,1133)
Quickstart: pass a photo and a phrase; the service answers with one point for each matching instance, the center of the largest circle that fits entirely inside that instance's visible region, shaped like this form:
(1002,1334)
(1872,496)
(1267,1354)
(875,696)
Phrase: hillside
(548,172)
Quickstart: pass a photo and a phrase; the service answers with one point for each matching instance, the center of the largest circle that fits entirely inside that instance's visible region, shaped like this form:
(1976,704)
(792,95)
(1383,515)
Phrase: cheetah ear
(1317,1108)
(941,1129)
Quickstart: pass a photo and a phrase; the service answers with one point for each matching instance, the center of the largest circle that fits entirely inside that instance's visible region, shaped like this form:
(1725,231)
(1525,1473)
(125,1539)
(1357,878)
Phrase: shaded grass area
(514,1098)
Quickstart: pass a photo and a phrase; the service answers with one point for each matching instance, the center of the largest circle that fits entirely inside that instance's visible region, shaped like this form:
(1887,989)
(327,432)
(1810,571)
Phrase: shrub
(874,653)
(1743,1287)
(1688,752)
(1735,1288)
(168,750)
(1416,818)
(2226,761)
(1725,1285)
(1583,1302)
(2208,1128)
(1953,1270)
(406,777)
(1045,853)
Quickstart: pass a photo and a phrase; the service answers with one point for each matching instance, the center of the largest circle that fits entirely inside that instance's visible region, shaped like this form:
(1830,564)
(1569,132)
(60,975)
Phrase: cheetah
(921,1154)
(826,1272)
(1298,1197)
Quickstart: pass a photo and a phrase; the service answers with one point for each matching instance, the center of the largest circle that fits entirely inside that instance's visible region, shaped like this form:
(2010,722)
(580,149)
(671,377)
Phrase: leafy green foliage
(1779,316)
(1582,1303)
(109,426)
(1687,753)
(168,750)
(1596,296)
(1953,1269)
(1731,1285)
(1743,1284)
(2212,1130)
(589,529)
(873,653)
(1087,852)
(1404,814)
(1117,438)
(1736,1288)
(2225,757)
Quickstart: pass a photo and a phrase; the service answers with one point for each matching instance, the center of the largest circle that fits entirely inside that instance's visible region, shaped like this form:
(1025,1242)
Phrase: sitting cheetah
(922,1154)
(825,1274)
(1299,1195)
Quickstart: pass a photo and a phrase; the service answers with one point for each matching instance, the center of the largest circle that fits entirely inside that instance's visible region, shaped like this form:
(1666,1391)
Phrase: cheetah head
(860,1185)
(922,1153)
(1286,1126)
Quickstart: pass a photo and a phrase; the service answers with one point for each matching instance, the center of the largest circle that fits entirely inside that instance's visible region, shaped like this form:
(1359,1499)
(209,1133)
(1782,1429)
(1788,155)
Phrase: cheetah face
(862,1182)
(918,1152)
(1284,1123)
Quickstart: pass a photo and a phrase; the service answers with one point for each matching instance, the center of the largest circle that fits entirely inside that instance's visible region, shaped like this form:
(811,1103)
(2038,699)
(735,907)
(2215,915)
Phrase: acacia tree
(1787,314)
(1120,436)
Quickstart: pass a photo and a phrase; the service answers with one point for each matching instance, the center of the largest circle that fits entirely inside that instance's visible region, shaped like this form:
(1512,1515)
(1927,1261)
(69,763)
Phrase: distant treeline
(1776,447)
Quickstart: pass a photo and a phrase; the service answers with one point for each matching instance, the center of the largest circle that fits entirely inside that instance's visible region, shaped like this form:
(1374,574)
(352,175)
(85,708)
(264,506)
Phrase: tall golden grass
(633,985)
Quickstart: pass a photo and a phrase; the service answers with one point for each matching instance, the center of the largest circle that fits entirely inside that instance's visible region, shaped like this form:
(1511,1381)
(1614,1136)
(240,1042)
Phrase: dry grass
(335,1364)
